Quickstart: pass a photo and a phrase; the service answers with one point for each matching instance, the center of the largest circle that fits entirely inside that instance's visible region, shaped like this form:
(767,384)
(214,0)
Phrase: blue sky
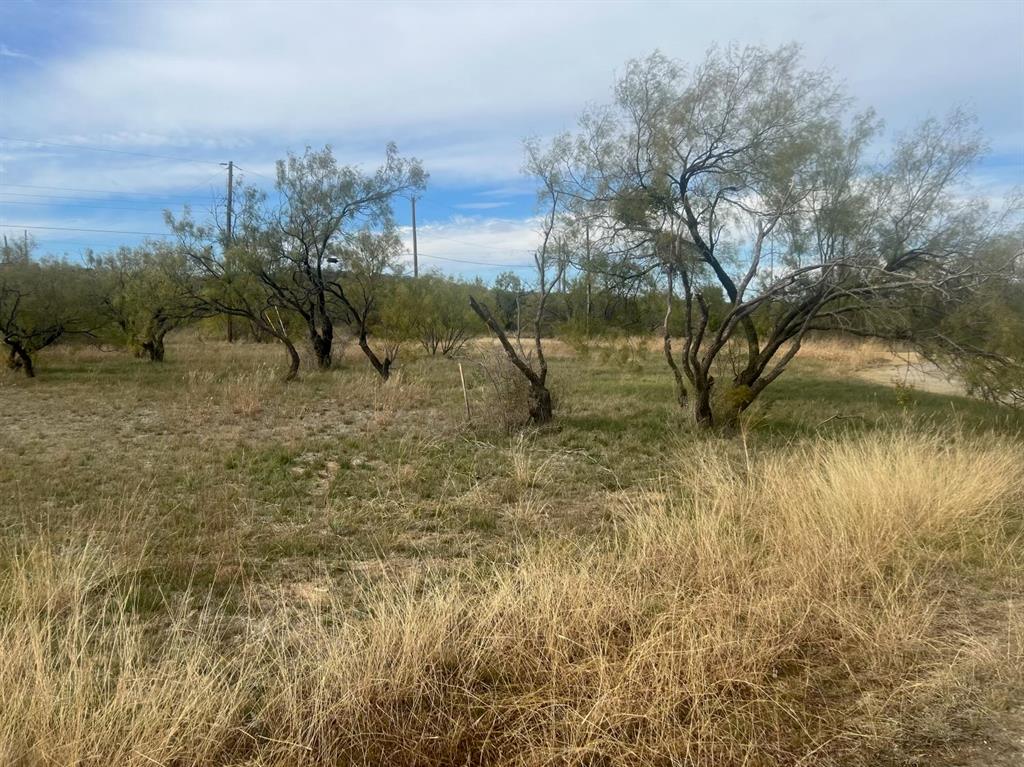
(170,90)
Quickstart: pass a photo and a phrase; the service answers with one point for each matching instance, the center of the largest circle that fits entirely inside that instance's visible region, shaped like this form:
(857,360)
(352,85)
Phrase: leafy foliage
(142,294)
(40,304)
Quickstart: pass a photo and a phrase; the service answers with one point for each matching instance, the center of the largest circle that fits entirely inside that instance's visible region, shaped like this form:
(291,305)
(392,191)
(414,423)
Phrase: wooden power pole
(227,235)
(587,269)
(231,184)
(415,252)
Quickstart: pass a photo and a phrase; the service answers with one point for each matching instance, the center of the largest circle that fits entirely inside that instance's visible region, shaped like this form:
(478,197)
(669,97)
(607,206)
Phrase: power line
(86,206)
(79,229)
(207,180)
(73,198)
(184,196)
(475,263)
(95,203)
(481,247)
(87,148)
(255,173)
(95,191)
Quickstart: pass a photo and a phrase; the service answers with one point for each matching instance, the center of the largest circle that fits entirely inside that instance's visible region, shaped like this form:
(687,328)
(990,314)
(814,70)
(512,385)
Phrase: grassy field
(205,566)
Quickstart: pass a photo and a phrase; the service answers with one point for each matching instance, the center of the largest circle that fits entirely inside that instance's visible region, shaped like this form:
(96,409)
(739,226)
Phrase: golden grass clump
(248,390)
(384,402)
(84,682)
(789,609)
(846,353)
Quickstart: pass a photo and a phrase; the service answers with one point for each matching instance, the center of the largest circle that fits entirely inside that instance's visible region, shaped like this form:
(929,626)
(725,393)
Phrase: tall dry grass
(847,353)
(792,609)
(85,682)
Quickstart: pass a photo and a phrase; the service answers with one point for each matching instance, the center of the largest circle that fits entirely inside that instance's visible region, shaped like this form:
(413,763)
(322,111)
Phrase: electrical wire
(255,173)
(113,192)
(80,229)
(473,263)
(86,148)
(63,199)
(87,206)
(477,245)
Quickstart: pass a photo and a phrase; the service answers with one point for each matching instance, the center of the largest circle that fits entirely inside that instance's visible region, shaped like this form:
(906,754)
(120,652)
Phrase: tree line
(734,207)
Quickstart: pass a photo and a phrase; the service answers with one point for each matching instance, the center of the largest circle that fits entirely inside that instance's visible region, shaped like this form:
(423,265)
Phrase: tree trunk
(667,345)
(540,397)
(681,393)
(20,358)
(322,339)
(383,368)
(293,358)
(322,350)
(540,404)
(157,354)
(266,328)
(154,348)
(589,302)
(702,413)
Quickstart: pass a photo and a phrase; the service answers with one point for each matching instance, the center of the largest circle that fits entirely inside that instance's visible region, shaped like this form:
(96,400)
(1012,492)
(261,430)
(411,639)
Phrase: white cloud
(456,84)
(10,53)
(481,205)
(453,81)
(474,245)
(119,177)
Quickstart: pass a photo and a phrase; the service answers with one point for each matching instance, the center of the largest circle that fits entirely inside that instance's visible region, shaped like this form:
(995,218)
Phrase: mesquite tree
(550,260)
(290,258)
(358,283)
(746,177)
(42,303)
(982,340)
(141,294)
(431,310)
(323,211)
(228,281)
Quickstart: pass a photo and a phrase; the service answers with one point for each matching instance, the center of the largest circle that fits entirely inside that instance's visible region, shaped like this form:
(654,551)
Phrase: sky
(112,112)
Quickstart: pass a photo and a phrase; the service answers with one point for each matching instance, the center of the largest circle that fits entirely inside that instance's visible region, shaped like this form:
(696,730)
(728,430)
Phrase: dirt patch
(914,374)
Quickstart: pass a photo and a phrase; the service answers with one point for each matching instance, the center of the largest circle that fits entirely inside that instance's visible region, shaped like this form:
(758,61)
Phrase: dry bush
(846,353)
(790,611)
(506,400)
(398,393)
(385,400)
(244,389)
(248,391)
(626,350)
(80,354)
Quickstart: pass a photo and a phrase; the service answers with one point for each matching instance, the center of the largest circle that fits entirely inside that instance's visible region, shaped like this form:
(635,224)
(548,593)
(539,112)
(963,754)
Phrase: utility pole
(587,268)
(227,237)
(231,184)
(415,252)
